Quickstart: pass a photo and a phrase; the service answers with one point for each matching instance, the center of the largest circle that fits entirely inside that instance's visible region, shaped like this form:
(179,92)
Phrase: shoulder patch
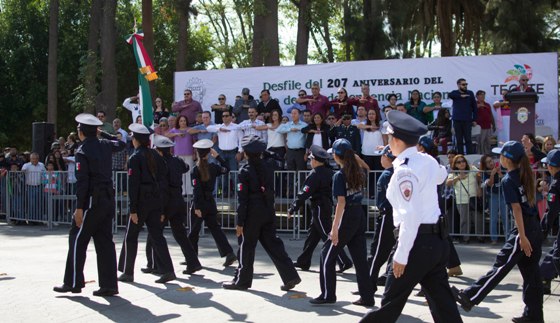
(305,189)
(130,172)
(78,167)
(551,197)
(239,187)
(194,182)
(406,190)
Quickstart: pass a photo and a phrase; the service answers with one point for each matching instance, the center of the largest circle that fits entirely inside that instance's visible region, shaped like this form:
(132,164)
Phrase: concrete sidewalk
(33,259)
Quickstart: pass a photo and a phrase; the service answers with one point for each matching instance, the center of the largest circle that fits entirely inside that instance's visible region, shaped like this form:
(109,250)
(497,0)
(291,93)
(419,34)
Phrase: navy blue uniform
(94,192)
(203,200)
(511,254)
(351,233)
(175,211)
(145,200)
(383,237)
(550,267)
(318,188)
(256,214)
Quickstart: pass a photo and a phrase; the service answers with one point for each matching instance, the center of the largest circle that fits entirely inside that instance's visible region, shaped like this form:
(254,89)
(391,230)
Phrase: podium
(522,113)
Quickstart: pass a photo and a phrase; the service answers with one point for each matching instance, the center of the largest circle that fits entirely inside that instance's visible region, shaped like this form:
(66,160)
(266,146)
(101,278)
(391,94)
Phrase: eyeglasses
(461,161)
(221,99)
(524,79)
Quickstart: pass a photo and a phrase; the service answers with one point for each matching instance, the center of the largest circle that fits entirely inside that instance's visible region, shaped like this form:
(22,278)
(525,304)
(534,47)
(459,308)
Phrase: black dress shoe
(525,319)
(166,277)
(321,301)
(344,268)
(230,259)
(105,292)
(126,278)
(291,284)
(232,285)
(184,263)
(300,266)
(147,270)
(190,271)
(355,292)
(361,302)
(66,289)
(462,299)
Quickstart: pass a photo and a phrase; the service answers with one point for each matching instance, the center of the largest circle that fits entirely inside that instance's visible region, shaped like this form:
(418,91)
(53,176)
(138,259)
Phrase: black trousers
(211,220)
(381,246)
(149,213)
(97,224)
(319,229)
(259,228)
(550,267)
(351,233)
(463,137)
(176,216)
(507,258)
(426,265)
(374,163)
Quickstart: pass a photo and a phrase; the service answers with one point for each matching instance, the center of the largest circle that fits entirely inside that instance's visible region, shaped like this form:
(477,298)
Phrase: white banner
(399,76)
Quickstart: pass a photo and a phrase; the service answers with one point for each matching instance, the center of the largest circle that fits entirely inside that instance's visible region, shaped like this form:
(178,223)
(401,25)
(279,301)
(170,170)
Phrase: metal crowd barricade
(3,194)
(120,182)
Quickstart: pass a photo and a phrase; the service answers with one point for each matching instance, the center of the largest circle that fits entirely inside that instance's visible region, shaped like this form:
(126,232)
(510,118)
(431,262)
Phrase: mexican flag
(146,73)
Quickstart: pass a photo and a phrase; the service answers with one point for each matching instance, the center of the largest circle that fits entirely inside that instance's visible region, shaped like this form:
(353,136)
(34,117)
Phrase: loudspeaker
(43,137)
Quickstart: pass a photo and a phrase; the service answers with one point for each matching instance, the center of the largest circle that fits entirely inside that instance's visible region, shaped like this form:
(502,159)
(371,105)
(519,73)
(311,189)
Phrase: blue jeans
(498,209)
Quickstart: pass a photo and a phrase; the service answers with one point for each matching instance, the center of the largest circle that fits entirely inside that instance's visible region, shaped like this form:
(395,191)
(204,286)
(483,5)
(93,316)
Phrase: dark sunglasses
(221,99)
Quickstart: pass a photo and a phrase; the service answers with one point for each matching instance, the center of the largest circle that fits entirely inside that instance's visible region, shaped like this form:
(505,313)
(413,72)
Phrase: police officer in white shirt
(132,104)
(422,249)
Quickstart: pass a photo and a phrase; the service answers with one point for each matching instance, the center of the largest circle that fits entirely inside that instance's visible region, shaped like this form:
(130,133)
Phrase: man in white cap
(95,209)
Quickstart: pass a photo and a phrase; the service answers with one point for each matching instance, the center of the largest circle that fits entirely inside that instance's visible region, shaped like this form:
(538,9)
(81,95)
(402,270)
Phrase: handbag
(475,202)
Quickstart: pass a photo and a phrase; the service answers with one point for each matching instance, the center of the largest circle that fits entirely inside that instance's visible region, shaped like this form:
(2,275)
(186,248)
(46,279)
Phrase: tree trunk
(302,42)
(148,29)
(445,24)
(271,41)
(259,30)
(109,79)
(182,35)
(328,42)
(92,64)
(52,89)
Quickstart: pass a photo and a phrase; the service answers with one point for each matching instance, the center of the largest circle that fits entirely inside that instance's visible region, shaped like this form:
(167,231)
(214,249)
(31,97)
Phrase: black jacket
(203,198)
(324,135)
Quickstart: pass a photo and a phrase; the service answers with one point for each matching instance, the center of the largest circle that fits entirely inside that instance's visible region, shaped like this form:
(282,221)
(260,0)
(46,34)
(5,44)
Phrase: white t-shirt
(275,139)
(33,173)
(317,140)
(372,139)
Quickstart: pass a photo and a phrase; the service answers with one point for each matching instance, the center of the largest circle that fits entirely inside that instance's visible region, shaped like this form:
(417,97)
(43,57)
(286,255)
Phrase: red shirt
(321,105)
(484,116)
(368,103)
(342,107)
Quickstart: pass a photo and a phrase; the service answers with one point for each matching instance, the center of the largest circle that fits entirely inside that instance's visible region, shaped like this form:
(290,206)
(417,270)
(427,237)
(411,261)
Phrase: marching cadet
(422,248)
(523,244)
(383,238)
(255,219)
(318,188)
(95,210)
(348,228)
(550,267)
(175,209)
(204,208)
(145,168)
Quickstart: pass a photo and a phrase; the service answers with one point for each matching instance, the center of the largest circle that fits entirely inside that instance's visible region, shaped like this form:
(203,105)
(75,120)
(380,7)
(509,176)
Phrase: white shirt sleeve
(128,105)
(213,128)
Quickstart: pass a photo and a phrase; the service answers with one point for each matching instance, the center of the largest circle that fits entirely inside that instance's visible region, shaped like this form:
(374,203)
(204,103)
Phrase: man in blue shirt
(295,156)
(464,115)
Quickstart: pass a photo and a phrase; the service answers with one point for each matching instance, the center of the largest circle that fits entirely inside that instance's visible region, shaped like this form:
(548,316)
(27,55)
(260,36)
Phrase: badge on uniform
(130,172)
(194,182)
(406,190)
(305,189)
(78,166)
(551,197)
(239,187)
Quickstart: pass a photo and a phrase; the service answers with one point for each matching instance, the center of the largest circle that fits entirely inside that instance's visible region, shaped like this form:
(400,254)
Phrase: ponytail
(203,164)
(352,171)
(527,179)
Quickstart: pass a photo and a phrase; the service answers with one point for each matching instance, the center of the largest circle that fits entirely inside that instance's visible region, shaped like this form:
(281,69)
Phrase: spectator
(59,164)
(253,126)
(317,133)
(432,110)
(442,130)
(276,141)
(485,120)
(502,115)
(267,104)
(392,98)
(187,107)
(198,119)
(400,107)
(331,120)
(464,115)
(300,106)
(361,119)
(201,131)
(14,159)
(160,111)
(16,191)
(315,102)
(384,133)
(532,150)
(118,129)
(183,148)
(417,108)
(119,158)
(367,101)
(242,105)
(307,116)
(163,127)
(285,119)
(491,177)
(139,119)
(229,137)
(34,204)
(220,108)
(51,180)
(172,120)
(374,139)
(464,180)
(548,144)
(523,85)
(107,127)
(132,104)
(295,155)
(344,129)
(72,143)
